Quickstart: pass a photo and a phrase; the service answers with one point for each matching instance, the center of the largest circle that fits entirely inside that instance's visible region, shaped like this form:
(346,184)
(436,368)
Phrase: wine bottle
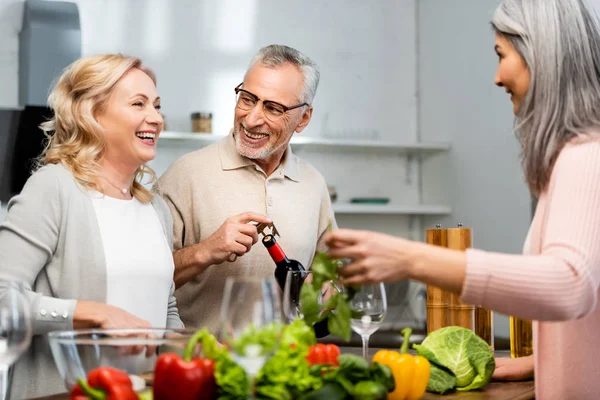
(283,266)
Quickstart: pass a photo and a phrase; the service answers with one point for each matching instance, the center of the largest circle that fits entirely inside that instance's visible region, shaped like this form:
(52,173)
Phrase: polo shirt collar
(231,159)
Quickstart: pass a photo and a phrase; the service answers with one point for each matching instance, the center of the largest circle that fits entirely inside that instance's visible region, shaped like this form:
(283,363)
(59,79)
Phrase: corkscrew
(260,228)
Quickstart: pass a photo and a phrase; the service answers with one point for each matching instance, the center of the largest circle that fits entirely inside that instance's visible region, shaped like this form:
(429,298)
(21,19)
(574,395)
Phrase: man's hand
(235,236)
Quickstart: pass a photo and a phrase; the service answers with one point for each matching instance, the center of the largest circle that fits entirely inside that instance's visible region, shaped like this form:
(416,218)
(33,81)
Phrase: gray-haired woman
(549,63)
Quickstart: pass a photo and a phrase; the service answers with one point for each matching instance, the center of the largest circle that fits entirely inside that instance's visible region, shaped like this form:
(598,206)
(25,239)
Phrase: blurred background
(406,111)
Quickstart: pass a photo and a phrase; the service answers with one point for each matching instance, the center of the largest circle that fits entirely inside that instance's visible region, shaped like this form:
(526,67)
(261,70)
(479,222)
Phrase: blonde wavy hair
(74,138)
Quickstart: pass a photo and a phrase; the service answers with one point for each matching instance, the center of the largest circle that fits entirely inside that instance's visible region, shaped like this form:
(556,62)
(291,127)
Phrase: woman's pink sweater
(556,281)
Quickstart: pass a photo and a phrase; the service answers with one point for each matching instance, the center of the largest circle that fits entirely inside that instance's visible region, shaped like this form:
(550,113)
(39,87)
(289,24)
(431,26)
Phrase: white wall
(10,24)
(200,51)
(11,12)
(459,103)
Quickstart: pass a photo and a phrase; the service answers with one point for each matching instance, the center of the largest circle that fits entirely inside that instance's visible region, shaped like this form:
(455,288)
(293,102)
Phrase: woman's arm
(561,283)
(28,238)
(173,320)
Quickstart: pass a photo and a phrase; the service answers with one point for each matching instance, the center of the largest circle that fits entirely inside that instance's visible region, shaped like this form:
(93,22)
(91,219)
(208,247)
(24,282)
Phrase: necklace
(122,190)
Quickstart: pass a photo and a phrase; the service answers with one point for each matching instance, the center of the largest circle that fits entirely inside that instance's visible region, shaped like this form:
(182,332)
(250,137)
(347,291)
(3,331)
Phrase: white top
(139,262)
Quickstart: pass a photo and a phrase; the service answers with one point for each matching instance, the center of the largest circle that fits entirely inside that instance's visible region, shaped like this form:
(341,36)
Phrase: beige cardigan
(50,239)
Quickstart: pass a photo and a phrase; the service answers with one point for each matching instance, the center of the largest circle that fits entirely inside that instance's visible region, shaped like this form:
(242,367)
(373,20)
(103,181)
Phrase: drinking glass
(291,295)
(251,322)
(15,327)
(368,307)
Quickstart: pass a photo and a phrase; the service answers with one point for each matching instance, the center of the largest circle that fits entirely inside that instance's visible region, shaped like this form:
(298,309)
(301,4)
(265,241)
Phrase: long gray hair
(276,55)
(559,40)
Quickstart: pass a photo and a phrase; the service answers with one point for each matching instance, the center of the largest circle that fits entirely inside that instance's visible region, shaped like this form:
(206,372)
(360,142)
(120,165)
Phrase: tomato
(323,354)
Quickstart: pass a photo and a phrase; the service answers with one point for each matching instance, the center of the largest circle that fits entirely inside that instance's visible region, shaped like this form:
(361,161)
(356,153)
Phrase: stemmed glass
(291,295)
(368,308)
(15,327)
(291,300)
(251,322)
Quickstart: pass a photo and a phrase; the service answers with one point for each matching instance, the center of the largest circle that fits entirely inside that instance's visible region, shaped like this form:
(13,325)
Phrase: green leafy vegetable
(461,353)
(440,380)
(297,333)
(358,379)
(265,338)
(369,390)
(329,391)
(336,309)
(287,373)
(231,379)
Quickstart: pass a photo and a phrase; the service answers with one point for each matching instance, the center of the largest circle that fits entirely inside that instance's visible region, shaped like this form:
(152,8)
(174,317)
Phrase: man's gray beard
(247,152)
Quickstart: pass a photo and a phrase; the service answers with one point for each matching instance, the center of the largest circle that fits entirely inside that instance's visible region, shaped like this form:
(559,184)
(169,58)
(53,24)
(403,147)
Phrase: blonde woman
(89,241)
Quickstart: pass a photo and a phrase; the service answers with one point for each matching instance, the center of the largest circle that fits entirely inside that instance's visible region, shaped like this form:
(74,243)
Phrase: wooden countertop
(493,391)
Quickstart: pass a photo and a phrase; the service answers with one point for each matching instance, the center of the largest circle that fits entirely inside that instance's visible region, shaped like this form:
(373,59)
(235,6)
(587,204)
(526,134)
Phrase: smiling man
(250,176)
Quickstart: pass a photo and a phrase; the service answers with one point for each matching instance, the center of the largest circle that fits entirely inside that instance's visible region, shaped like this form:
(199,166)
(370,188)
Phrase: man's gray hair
(276,55)
(559,40)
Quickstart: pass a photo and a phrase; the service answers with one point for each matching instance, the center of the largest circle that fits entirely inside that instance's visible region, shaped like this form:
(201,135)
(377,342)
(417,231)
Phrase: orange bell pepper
(411,373)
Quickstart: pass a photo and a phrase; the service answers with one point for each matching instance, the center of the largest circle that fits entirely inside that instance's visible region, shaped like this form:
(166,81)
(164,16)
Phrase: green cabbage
(457,353)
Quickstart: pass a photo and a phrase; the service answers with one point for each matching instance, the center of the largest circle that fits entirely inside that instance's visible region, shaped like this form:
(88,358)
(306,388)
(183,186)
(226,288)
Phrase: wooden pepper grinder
(459,313)
(484,325)
(437,299)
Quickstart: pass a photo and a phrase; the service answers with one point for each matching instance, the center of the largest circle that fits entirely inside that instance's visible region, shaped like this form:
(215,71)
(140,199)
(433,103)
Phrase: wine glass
(15,327)
(368,307)
(291,295)
(291,300)
(251,322)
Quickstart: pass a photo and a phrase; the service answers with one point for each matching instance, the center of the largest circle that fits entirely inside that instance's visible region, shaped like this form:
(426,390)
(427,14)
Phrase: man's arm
(235,236)
(189,262)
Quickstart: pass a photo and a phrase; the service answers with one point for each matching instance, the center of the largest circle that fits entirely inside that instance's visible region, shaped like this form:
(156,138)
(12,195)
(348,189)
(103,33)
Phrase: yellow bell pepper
(411,373)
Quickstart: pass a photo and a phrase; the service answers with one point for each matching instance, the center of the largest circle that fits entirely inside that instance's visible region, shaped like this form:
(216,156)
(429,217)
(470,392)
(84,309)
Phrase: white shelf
(350,208)
(204,139)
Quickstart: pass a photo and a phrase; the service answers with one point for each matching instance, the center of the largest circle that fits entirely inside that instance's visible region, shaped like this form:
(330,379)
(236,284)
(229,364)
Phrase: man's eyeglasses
(272,110)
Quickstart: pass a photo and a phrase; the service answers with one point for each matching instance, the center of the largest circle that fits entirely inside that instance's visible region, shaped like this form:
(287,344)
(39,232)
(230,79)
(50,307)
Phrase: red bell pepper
(177,378)
(104,383)
(323,354)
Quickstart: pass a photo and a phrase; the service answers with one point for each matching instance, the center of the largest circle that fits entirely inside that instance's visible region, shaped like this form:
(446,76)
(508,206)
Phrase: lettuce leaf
(287,373)
(298,333)
(461,352)
(440,380)
(265,338)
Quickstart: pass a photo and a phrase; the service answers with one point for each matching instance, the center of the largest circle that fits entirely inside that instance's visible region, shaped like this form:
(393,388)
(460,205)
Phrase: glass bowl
(134,351)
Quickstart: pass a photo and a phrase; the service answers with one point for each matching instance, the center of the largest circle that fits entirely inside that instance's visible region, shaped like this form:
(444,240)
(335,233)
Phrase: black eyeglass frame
(238,89)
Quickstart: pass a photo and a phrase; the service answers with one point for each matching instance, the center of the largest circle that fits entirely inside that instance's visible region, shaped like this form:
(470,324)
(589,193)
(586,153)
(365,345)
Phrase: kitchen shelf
(349,208)
(204,139)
